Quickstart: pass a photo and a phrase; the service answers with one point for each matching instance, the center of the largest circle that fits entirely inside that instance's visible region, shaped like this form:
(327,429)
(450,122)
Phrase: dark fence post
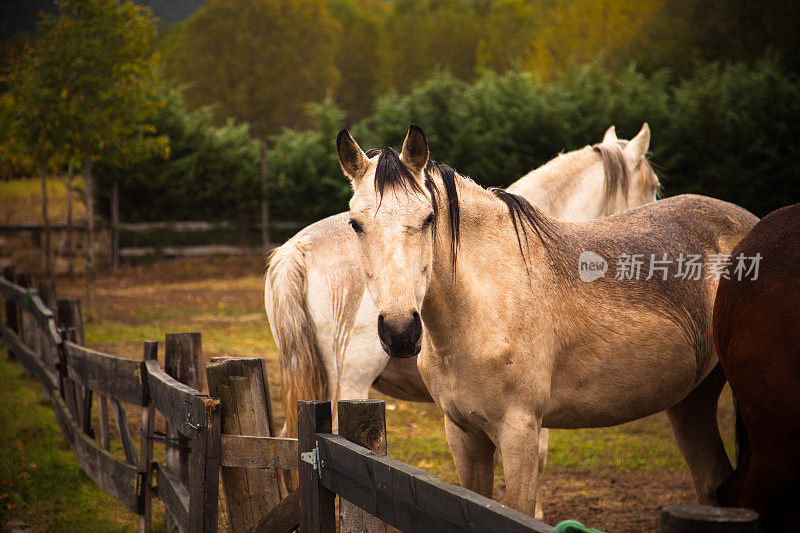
(182,362)
(707,519)
(317,503)
(27,324)
(79,400)
(362,422)
(12,315)
(47,293)
(148,420)
(241,385)
(204,469)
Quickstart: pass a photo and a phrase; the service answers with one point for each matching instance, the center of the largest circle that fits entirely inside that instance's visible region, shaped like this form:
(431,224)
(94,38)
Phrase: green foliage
(94,68)
(733,135)
(211,173)
(305,181)
(258,61)
(726,132)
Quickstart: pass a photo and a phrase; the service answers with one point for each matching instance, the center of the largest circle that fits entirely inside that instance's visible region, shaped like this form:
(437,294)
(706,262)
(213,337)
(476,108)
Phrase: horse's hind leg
(694,424)
(473,454)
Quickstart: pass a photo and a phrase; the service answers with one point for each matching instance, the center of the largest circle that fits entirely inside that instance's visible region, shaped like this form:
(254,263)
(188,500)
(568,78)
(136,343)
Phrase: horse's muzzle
(400,337)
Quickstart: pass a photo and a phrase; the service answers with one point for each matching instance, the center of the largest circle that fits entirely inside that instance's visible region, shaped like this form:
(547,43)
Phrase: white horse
(323,322)
(516,339)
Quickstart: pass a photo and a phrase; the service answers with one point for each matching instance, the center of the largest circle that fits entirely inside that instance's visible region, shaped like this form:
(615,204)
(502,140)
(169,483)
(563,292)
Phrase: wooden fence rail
(235,435)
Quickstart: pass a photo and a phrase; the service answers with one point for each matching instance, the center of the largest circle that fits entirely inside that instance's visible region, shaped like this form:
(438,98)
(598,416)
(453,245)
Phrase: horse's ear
(611,135)
(415,149)
(637,147)
(352,159)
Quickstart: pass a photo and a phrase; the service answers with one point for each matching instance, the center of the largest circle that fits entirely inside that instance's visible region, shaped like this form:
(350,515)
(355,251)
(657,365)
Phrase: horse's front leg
(473,454)
(519,446)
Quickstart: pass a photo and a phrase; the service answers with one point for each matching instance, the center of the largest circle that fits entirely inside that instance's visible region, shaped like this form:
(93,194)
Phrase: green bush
(211,174)
(727,131)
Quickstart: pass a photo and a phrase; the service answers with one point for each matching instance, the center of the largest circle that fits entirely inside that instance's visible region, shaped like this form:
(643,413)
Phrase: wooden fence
(233,434)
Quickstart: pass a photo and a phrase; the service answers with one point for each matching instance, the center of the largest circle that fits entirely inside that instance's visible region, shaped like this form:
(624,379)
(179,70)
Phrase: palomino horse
(517,338)
(314,291)
(757,335)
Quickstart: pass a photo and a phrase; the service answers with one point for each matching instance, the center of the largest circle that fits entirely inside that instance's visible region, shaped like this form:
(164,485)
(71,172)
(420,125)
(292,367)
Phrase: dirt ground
(615,484)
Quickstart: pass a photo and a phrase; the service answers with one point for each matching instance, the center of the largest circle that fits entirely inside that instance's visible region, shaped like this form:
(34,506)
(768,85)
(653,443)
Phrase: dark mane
(615,171)
(524,215)
(392,174)
(616,175)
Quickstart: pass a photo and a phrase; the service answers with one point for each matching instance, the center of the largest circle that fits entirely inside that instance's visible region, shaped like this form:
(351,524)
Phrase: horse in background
(314,293)
(757,336)
(515,339)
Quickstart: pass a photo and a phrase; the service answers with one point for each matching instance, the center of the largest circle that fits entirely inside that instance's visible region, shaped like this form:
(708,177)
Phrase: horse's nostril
(415,315)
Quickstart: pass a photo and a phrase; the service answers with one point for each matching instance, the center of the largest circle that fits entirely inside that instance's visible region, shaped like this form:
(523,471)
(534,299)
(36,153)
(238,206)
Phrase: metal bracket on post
(312,458)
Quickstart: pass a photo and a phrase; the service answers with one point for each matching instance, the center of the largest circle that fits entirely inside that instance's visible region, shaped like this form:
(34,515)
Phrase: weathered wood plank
(124,432)
(241,385)
(179,403)
(316,500)
(362,422)
(70,319)
(182,362)
(150,353)
(17,295)
(11,306)
(411,499)
(102,421)
(283,518)
(204,470)
(246,451)
(112,475)
(175,497)
(30,360)
(105,374)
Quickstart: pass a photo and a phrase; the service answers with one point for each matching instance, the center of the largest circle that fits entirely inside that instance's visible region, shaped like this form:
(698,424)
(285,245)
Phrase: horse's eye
(428,221)
(356,226)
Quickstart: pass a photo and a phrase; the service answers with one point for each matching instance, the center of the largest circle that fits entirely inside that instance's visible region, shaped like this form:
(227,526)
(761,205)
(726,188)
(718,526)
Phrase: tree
(421,37)
(95,74)
(259,61)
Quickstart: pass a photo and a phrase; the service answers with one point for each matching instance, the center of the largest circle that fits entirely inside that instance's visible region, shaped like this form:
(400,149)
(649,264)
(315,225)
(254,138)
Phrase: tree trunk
(70,253)
(87,173)
(115,226)
(265,242)
(46,223)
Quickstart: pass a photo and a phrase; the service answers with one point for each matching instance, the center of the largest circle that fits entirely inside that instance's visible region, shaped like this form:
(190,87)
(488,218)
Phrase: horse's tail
(302,370)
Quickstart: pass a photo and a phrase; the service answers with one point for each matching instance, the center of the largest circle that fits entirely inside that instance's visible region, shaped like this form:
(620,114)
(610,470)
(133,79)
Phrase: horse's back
(757,335)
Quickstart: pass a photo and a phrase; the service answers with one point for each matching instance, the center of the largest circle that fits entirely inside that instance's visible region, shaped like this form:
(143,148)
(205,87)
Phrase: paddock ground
(614,479)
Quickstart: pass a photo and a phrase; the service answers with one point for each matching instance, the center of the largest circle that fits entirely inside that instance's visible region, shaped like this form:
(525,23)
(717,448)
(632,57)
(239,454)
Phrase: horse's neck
(489,266)
(568,187)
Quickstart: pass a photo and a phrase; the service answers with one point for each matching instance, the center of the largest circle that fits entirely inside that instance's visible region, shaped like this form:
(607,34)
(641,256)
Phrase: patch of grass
(41,482)
(22,201)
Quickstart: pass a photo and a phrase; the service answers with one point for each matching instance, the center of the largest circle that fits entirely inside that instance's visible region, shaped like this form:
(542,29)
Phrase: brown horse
(757,335)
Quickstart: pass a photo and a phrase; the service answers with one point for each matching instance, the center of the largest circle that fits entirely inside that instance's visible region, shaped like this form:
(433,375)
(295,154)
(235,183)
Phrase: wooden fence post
(204,469)
(317,504)
(241,385)
(12,313)
(707,519)
(70,320)
(148,419)
(27,324)
(362,422)
(182,362)
(47,293)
